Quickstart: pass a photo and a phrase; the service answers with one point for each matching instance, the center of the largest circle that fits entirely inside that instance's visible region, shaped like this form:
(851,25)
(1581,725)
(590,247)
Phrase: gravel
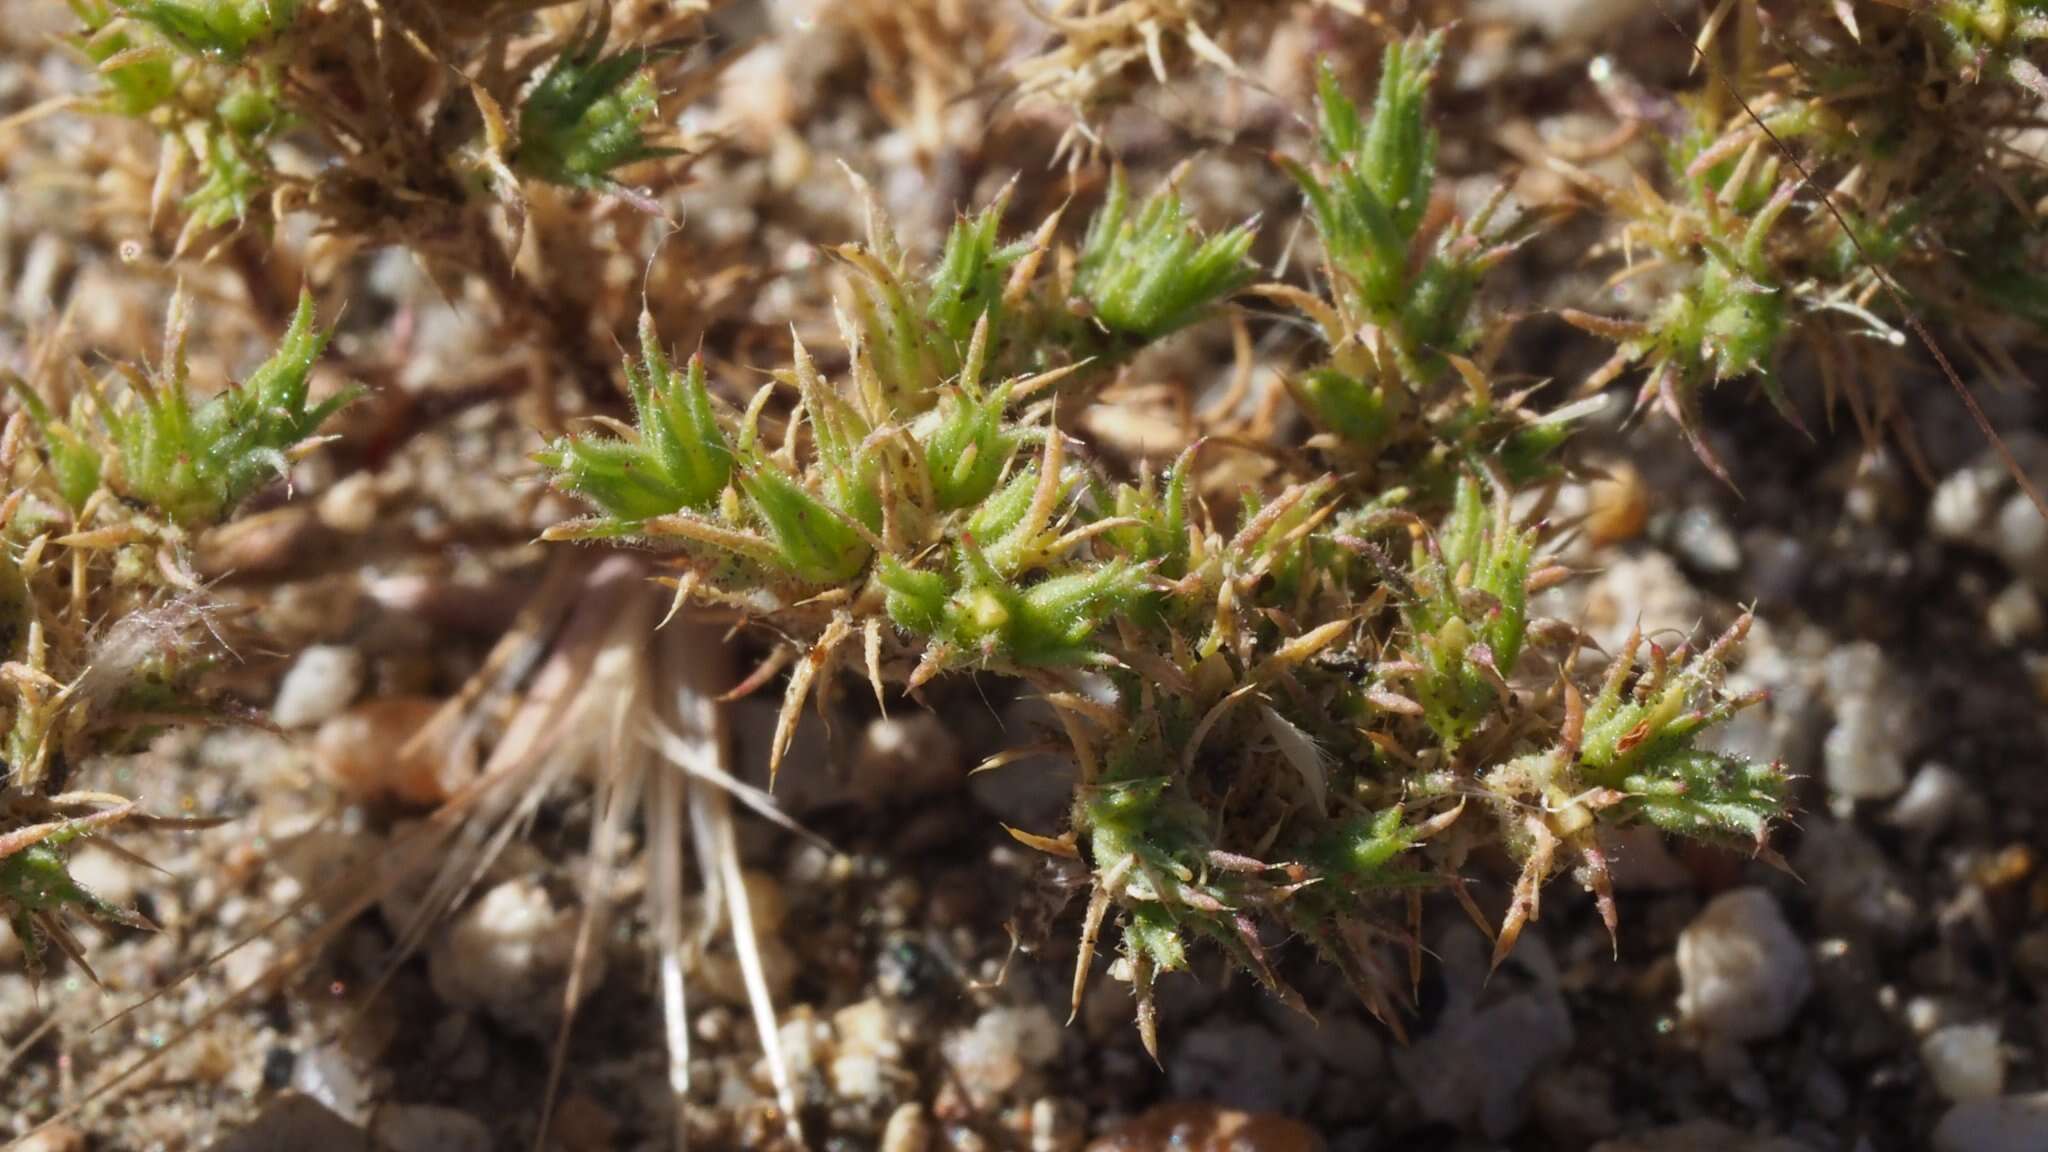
(1980,506)
(1192,1126)
(1868,748)
(1002,1047)
(427,1128)
(1965,1061)
(2006,1124)
(1473,1067)
(1743,971)
(319,684)
(509,954)
(870,1051)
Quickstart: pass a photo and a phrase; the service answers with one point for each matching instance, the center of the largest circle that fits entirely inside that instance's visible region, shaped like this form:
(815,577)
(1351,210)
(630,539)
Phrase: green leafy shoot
(194,460)
(1152,273)
(1469,610)
(813,541)
(991,619)
(1398,265)
(222,28)
(74,462)
(1993,36)
(37,890)
(1640,739)
(675,456)
(967,283)
(233,177)
(589,116)
(137,80)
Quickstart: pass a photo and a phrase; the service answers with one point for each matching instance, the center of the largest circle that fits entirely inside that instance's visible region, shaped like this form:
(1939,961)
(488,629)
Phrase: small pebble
(426,1128)
(2030,956)
(2014,616)
(1962,504)
(1241,1065)
(765,902)
(1923,1014)
(1937,795)
(1743,971)
(903,756)
(1566,19)
(1005,1043)
(1779,564)
(509,954)
(320,683)
(297,1123)
(1494,1034)
(366,751)
(350,507)
(1638,590)
(908,1130)
(1981,507)
(1618,505)
(334,1080)
(2004,1124)
(1965,1061)
(1703,539)
(1857,887)
(2021,539)
(104,874)
(1057,1125)
(805,1040)
(582,1124)
(1865,753)
(867,1049)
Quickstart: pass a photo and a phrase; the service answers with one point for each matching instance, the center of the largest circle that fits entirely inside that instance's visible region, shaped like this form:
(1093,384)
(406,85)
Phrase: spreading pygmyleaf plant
(103,625)
(1289,706)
